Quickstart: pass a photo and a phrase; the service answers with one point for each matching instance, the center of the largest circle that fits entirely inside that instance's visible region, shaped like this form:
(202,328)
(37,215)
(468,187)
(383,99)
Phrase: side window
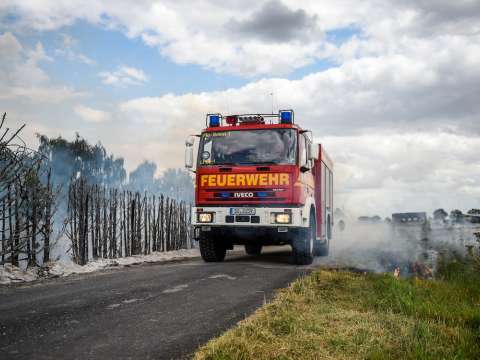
(327,197)
(331,190)
(324,185)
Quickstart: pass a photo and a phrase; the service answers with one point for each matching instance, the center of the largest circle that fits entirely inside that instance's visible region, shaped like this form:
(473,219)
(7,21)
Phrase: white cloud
(270,37)
(124,76)
(406,172)
(399,114)
(74,56)
(377,171)
(22,76)
(402,129)
(67,50)
(91,115)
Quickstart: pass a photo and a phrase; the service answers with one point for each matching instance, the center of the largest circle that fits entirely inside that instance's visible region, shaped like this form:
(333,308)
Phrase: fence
(111,223)
(100,222)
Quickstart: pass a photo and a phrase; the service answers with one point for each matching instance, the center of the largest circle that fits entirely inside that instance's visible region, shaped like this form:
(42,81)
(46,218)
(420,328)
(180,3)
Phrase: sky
(391,88)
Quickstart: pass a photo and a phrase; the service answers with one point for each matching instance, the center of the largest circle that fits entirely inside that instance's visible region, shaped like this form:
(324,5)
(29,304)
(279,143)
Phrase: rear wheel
(329,228)
(321,249)
(302,245)
(253,249)
(211,249)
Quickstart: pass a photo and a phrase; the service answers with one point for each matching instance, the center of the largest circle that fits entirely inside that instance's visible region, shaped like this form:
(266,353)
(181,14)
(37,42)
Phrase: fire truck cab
(260,180)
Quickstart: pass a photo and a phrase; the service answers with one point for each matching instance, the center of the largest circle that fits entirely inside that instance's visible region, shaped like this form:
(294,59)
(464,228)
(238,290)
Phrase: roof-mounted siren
(286,116)
(251,119)
(213,120)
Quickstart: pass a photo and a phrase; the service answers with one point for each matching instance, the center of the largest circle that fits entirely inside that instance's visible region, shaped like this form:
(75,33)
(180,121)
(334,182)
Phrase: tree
(178,184)
(371,219)
(440,215)
(456,215)
(474,215)
(143,178)
(78,158)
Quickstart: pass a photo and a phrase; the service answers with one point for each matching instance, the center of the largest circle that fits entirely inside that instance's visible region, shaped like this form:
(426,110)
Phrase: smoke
(411,250)
(68,160)
(174,183)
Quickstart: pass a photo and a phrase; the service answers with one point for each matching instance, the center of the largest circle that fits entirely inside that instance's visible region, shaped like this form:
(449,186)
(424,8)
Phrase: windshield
(272,146)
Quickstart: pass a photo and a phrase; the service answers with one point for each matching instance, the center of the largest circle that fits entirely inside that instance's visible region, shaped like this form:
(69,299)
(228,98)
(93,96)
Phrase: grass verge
(345,315)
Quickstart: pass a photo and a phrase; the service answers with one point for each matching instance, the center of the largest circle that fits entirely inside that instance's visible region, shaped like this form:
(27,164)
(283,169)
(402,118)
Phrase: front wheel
(211,249)
(302,245)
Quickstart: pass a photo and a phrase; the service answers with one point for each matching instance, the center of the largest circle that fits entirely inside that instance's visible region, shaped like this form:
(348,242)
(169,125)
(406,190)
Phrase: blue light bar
(286,116)
(214,120)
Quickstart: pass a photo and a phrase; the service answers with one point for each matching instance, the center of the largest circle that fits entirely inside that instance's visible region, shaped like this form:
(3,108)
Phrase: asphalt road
(159,311)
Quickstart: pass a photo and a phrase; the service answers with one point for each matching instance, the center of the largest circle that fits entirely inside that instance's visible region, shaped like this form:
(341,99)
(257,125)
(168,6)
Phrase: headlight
(205,217)
(281,218)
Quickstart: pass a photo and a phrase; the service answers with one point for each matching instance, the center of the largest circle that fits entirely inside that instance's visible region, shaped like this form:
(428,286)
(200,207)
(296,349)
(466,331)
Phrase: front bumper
(222,216)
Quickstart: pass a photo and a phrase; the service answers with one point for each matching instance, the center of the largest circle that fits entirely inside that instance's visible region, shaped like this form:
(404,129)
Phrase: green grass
(344,315)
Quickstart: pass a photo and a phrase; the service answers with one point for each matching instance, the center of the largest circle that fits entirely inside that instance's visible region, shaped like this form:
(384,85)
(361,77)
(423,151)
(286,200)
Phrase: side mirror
(189,142)
(309,151)
(313,152)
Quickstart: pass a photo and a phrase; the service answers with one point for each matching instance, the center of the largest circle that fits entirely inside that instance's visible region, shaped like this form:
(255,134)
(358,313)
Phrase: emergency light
(286,116)
(251,119)
(213,120)
(231,120)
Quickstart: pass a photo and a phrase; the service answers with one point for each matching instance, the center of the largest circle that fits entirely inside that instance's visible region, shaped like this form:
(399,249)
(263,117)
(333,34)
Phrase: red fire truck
(260,181)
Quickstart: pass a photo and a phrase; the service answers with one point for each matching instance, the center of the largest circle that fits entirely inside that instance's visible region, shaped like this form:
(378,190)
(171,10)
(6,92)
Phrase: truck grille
(246,195)
(254,219)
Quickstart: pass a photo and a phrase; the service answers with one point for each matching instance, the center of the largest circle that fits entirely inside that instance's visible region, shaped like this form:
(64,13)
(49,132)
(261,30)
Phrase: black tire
(329,228)
(211,249)
(302,245)
(321,249)
(253,249)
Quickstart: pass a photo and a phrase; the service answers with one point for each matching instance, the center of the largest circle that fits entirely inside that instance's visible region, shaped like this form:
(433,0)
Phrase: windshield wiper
(246,163)
(227,164)
(266,163)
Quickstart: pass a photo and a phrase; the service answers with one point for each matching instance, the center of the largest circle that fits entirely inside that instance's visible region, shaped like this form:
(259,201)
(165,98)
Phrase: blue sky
(110,48)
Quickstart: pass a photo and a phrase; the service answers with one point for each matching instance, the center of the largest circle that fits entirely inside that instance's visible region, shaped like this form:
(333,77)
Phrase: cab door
(306,177)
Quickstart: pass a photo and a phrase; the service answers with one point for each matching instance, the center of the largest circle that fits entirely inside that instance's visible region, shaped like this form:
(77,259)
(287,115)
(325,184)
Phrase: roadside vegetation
(346,315)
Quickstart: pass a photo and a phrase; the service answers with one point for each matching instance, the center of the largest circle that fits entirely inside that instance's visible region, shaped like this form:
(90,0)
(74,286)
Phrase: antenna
(225,86)
(271,94)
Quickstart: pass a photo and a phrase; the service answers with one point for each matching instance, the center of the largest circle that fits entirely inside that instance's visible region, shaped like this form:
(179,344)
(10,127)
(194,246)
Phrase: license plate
(242,211)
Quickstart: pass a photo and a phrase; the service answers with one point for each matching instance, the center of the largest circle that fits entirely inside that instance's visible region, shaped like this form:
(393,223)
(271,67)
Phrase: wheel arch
(308,207)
